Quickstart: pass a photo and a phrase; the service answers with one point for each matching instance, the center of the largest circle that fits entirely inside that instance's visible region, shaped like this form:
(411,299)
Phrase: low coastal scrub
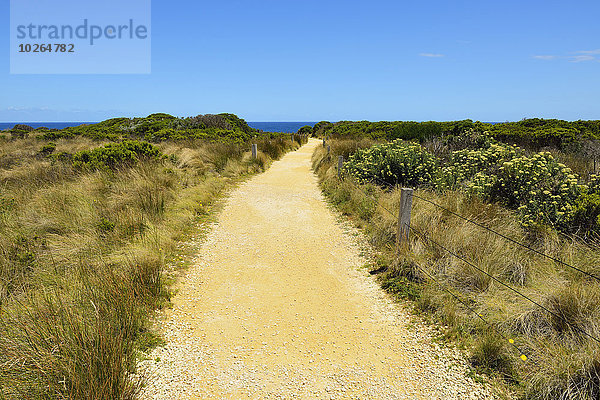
(116,155)
(89,229)
(535,132)
(393,162)
(543,191)
(153,128)
(544,353)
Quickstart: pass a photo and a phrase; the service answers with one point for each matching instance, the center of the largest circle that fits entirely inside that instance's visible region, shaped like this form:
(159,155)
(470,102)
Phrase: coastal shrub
(534,133)
(115,154)
(585,215)
(161,127)
(470,138)
(20,131)
(543,191)
(396,162)
(545,132)
(594,184)
(305,130)
(55,134)
(466,164)
(47,149)
(63,156)
(407,130)
(321,128)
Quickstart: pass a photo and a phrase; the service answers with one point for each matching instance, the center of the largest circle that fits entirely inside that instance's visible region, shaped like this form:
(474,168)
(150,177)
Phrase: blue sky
(332,60)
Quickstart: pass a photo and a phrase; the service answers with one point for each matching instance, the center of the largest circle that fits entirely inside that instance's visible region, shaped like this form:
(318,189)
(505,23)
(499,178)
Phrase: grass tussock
(87,253)
(562,362)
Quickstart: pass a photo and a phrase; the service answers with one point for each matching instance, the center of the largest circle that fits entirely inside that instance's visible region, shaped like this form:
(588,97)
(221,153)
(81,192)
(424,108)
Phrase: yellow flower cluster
(396,162)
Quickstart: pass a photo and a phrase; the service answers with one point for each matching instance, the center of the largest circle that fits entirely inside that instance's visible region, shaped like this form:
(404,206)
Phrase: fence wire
(454,254)
(518,243)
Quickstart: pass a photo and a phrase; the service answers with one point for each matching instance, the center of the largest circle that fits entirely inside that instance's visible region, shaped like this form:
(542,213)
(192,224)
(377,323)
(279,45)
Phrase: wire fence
(428,240)
(521,244)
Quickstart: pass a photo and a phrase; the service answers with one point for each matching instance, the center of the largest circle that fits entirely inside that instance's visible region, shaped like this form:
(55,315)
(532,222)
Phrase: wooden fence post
(340,166)
(328,149)
(324,142)
(254,150)
(406,196)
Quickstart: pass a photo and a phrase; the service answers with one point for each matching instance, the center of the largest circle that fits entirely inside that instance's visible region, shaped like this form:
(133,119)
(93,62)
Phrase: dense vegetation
(521,194)
(546,132)
(154,128)
(543,191)
(90,221)
(535,133)
(393,129)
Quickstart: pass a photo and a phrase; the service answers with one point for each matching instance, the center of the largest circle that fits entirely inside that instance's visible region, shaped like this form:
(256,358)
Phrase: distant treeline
(154,128)
(534,132)
(528,132)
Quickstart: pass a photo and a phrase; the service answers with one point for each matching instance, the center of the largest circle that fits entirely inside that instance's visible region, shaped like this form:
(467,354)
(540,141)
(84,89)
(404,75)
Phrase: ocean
(288,127)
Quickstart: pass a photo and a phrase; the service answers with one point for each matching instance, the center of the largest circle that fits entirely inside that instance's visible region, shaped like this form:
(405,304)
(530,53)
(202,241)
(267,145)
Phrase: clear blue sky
(308,60)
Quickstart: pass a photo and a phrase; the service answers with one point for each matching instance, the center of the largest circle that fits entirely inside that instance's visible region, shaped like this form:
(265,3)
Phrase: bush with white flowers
(542,190)
(396,162)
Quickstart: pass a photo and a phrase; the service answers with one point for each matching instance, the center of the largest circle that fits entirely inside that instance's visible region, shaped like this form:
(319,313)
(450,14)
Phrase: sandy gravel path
(276,306)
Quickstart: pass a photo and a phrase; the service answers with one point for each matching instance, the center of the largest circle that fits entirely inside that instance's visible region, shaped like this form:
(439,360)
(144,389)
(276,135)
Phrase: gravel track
(276,306)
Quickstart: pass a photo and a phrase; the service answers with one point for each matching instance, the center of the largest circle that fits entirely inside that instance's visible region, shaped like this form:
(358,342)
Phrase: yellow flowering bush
(541,190)
(466,164)
(396,162)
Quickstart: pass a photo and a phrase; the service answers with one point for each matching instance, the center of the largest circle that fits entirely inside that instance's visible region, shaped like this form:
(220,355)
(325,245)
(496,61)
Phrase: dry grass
(83,258)
(562,362)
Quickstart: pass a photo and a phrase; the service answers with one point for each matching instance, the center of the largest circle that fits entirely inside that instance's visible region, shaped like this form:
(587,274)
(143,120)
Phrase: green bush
(20,131)
(160,127)
(397,162)
(470,138)
(585,216)
(47,149)
(61,156)
(545,132)
(465,164)
(407,130)
(543,191)
(113,155)
(106,226)
(535,132)
(305,130)
(321,128)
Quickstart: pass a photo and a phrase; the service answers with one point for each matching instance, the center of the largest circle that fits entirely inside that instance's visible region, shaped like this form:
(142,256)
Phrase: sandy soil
(276,305)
